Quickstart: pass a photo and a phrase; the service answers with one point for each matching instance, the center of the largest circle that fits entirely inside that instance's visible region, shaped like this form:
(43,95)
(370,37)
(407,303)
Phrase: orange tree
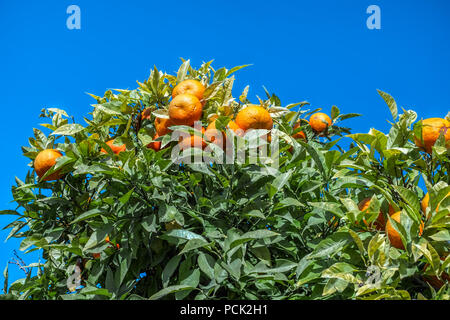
(115,217)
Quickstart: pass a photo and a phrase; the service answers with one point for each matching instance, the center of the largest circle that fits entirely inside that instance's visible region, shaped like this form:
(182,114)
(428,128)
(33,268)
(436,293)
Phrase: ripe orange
(44,161)
(162,126)
(115,149)
(393,235)
(156,145)
(96,255)
(185,109)
(254,117)
(424,204)
(212,133)
(431,129)
(193,87)
(319,122)
(193,141)
(300,134)
(379,222)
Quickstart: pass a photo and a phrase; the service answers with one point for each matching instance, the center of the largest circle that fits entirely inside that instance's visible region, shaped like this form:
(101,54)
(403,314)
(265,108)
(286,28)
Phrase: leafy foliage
(235,231)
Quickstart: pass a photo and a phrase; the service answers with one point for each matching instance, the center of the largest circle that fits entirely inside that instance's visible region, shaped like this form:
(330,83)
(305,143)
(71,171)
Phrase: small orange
(193,87)
(193,141)
(431,129)
(115,149)
(393,235)
(212,133)
(185,109)
(319,122)
(155,145)
(45,160)
(96,255)
(300,134)
(379,222)
(425,202)
(162,126)
(254,117)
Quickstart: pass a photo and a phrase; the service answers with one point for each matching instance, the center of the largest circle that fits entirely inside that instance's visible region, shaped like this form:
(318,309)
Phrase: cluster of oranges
(186,107)
(381,223)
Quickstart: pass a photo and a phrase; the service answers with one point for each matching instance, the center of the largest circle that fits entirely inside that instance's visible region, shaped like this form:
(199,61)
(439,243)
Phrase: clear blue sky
(320,51)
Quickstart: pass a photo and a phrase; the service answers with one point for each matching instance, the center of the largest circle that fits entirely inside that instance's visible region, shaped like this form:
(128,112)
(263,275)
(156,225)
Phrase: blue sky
(320,51)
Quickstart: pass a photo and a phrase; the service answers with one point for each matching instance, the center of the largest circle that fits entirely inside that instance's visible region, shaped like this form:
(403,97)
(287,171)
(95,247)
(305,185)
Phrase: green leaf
(169,290)
(96,291)
(182,71)
(126,197)
(390,102)
(253,235)
(183,234)
(68,129)
(194,244)
(98,236)
(192,279)
(169,269)
(328,247)
(86,215)
(5,283)
(206,264)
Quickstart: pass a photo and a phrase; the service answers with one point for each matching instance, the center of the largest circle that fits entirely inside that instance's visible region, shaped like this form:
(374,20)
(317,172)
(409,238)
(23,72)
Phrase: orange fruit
(233,126)
(96,255)
(193,87)
(300,134)
(393,235)
(193,141)
(431,129)
(212,133)
(44,161)
(319,122)
(162,126)
(254,117)
(115,149)
(424,204)
(156,145)
(379,222)
(185,109)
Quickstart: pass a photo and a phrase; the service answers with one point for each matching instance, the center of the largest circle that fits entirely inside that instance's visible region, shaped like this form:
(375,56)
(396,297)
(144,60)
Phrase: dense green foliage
(249,231)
